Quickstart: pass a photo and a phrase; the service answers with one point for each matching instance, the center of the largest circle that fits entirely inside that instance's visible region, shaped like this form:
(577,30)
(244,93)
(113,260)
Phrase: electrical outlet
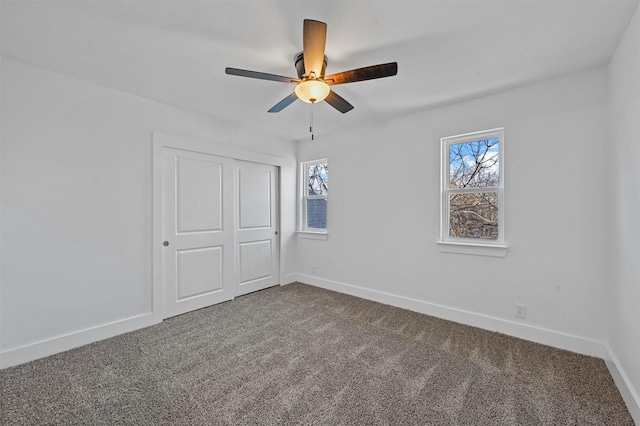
(314,269)
(521,311)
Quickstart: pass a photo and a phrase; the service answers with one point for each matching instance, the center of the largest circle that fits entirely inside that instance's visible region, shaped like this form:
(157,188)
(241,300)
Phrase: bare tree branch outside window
(474,166)
(316,197)
(318,178)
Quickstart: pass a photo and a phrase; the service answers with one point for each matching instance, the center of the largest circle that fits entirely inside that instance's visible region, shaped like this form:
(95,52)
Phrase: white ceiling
(175,52)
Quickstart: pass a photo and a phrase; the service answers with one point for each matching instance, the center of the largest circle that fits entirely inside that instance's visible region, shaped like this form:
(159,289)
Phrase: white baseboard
(621,379)
(556,339)
(289,279)
(54,345)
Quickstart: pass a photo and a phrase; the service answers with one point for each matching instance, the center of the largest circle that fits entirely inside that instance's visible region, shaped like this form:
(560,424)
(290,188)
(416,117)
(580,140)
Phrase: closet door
(257,249)
(198,230)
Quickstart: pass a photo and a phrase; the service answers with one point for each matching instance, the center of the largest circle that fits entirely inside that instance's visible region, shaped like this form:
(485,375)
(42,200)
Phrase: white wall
(76,206)
(623,327)
(383,217)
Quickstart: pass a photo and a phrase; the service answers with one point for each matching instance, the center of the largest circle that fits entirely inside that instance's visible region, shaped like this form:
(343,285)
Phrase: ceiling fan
(312,85)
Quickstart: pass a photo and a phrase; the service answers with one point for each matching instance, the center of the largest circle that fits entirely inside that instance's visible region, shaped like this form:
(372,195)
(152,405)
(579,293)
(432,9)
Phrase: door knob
(166,243)
(276,232)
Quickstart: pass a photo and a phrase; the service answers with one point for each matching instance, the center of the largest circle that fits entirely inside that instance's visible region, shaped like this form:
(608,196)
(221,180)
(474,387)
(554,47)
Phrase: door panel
(257,250)
(198,265)
(254,197)
(199,190)
(199,271)
(255,260)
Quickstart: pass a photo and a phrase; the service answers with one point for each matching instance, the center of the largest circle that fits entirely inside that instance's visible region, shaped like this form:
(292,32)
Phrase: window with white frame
(473,188)
(313,211)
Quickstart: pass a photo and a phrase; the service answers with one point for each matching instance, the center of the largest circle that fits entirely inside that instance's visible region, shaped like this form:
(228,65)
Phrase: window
(314,185)
(472,189)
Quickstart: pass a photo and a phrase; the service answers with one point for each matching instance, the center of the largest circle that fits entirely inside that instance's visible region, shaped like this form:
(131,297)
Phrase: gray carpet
(303,355)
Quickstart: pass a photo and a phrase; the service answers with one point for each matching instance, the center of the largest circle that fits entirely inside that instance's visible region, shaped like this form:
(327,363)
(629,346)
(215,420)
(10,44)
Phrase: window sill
(473,248)
(313,235)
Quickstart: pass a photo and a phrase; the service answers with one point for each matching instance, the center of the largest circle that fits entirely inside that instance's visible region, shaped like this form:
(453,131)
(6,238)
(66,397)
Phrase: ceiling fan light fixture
(312,91)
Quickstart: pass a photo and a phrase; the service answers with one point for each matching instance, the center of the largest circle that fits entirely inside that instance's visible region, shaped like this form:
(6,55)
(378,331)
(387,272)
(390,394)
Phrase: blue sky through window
(474,164)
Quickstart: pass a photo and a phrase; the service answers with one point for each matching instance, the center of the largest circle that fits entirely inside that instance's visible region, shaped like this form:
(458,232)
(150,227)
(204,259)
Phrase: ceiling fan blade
(314,38)
(361,74)
(260,75)
(284,103)
(338,102)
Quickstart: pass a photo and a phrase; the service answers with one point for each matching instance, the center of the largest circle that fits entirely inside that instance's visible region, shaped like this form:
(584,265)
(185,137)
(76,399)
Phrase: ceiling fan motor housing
(299,63)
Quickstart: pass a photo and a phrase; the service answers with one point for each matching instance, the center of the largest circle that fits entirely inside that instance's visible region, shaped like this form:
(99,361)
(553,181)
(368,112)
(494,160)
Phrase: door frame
(162,140)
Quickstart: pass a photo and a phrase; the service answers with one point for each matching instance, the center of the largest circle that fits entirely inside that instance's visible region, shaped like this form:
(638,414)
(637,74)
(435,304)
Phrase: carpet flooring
(303,355)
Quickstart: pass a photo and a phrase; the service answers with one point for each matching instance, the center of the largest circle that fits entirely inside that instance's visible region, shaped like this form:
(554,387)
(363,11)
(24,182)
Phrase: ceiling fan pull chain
(311,120)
